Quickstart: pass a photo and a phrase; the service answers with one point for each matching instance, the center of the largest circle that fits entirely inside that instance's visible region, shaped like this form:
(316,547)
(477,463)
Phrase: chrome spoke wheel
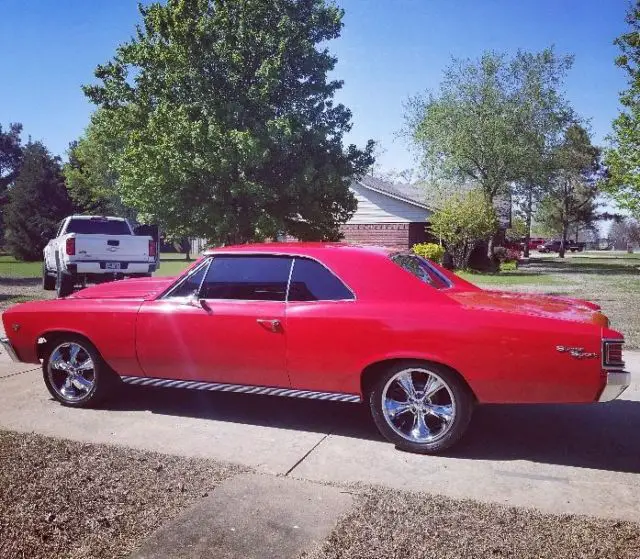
(71,371)
(418,405)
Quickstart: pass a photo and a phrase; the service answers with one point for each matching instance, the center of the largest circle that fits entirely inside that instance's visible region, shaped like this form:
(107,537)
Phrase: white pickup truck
(96,249)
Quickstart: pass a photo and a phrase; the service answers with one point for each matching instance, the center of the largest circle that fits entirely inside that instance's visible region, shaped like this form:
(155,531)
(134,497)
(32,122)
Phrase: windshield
(98,227)
(421,268)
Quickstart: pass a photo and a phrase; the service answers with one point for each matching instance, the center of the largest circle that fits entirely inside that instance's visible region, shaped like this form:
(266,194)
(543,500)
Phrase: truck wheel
(421,407)
(64,284)
(48,281)
(75,374)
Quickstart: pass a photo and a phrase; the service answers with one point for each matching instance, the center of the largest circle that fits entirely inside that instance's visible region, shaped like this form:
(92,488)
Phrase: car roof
(302,249)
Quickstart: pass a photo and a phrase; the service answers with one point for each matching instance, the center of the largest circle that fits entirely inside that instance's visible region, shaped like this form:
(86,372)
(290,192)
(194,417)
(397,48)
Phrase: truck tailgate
(112,248)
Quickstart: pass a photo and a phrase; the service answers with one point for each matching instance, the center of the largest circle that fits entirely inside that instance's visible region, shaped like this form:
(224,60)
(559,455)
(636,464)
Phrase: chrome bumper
(6,344)
(617,383)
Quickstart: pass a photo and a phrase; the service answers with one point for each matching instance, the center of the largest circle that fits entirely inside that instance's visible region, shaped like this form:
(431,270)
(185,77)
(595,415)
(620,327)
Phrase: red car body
(508,347)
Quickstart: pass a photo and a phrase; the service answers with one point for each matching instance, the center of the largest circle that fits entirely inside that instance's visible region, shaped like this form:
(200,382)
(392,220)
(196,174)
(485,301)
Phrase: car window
(422,270)
(98,226)
(256,278)
(190,284)
(311,281)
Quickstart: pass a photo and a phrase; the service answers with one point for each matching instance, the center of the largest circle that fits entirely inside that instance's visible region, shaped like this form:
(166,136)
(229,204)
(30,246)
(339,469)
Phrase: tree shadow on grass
(598,436)
(570,267)
(26,282)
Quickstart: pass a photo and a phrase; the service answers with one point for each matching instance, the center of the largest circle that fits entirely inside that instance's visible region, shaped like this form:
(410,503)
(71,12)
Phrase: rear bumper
(617,383)
(6,344)
(98,268)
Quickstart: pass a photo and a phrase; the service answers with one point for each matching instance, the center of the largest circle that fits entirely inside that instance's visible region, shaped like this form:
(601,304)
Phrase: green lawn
(11,268)
(171,264)
(518,277)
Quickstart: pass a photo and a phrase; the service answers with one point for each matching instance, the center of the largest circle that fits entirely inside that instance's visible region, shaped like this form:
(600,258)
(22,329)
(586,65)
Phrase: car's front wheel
(75,374)
(421,407)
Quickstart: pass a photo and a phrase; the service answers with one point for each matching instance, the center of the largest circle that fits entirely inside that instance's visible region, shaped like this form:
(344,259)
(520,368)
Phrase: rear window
(420,268)
(98,227)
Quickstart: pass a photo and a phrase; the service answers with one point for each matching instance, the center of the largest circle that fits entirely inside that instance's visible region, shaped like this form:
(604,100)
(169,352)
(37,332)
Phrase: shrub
(432,251)
(509,266)
(503,254)
(461,222)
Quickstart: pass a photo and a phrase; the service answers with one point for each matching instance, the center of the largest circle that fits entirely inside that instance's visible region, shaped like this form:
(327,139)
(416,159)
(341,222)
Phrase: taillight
(70,247)
(612,354)
(153,250)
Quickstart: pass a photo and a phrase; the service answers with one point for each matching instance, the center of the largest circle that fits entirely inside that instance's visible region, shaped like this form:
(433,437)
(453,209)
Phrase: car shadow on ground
(595,436)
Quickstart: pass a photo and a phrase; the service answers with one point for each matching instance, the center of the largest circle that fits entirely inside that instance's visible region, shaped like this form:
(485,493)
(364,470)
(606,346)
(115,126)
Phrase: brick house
(391,215)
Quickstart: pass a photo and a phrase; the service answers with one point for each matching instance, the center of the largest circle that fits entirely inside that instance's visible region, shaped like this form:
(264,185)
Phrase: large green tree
(89,173)
(571,200)
(10,156)
(623,158)
(493,121)
(38,200)
(225,116)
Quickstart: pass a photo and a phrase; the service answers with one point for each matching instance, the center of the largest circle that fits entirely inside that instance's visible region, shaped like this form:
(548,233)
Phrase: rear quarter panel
(505,358)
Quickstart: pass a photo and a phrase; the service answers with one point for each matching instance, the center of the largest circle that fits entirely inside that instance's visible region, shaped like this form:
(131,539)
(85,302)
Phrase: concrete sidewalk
(251,517)
(581,459)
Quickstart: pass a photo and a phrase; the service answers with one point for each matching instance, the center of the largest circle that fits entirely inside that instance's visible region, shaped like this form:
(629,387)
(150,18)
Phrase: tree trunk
(490,246)
(563,241)
(528,218)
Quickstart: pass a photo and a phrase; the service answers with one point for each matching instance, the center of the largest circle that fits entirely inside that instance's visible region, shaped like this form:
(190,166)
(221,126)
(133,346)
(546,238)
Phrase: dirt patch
(66,499)
(396,524)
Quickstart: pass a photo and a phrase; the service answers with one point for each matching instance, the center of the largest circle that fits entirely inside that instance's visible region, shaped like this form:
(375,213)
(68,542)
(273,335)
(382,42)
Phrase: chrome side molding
(242,388)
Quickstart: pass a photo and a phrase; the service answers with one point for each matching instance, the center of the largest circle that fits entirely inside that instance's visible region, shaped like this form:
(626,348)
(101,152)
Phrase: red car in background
(536,243)
(419,345)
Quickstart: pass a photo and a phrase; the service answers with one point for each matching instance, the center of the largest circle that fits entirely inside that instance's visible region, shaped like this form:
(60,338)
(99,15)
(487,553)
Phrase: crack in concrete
(20,373)
(307,453)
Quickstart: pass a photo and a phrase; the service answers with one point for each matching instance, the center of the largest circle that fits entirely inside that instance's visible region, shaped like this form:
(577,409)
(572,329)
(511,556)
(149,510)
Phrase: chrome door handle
(270,324)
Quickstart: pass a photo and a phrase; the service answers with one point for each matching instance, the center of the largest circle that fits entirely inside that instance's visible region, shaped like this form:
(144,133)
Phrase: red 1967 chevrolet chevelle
(335,322)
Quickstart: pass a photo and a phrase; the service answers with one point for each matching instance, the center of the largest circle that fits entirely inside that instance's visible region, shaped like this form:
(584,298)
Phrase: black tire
(102,378)
(64,284)
(454,390)
(48,281)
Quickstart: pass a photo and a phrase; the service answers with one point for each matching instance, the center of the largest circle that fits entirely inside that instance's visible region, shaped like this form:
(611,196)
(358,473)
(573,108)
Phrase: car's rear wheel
(75,374)
(421,407)
(64,284)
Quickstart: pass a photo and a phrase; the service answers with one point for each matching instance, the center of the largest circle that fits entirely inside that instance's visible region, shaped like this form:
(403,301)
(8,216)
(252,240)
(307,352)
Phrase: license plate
(112,265)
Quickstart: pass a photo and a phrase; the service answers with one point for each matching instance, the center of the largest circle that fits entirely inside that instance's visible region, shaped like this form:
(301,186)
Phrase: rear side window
(422,270)
(255,278)
(311,281)
(98,227)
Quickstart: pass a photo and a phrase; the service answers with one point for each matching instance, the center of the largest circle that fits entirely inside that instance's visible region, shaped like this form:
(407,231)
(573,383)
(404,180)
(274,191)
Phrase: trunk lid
(546,306)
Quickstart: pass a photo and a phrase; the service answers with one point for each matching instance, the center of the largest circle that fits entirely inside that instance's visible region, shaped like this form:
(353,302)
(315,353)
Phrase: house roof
(400,191)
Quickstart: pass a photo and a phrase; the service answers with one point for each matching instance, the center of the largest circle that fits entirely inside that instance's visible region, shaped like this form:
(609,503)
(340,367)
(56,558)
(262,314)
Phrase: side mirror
(195,301)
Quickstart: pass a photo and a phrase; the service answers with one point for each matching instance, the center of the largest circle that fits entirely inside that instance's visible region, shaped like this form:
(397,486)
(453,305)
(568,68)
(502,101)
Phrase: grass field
(171,264)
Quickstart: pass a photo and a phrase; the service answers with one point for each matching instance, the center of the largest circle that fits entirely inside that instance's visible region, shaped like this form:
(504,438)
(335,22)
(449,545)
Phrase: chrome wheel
(418,405)
(71,372)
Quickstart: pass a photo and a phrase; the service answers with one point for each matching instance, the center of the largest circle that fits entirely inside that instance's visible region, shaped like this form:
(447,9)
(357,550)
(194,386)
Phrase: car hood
(139,288)
(546,306)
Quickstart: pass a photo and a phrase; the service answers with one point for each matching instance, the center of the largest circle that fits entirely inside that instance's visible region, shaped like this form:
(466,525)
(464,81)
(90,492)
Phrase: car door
(223,323)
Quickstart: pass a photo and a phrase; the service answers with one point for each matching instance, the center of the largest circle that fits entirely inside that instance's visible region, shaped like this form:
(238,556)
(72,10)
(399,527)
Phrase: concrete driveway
(575,458)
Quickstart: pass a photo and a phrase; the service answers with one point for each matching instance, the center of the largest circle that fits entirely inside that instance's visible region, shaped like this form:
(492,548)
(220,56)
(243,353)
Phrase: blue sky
(389,50)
